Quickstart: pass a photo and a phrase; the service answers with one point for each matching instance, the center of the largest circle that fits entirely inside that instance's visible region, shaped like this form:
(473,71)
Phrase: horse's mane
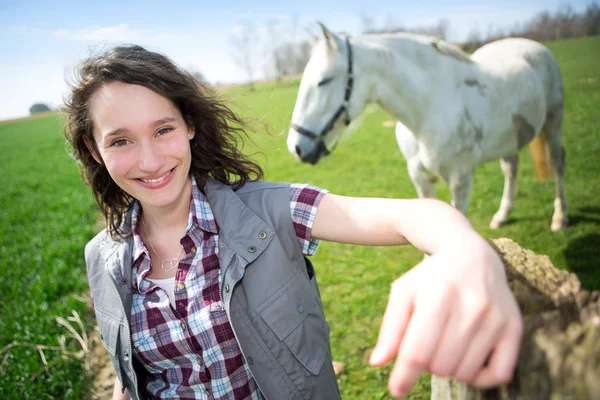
(451,50)
(441,46)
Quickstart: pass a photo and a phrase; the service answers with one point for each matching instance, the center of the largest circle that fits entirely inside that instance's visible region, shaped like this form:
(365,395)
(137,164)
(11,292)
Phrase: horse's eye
(325,81)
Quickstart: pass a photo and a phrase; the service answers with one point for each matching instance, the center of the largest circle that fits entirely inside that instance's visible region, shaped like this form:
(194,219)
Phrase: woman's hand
(452,315)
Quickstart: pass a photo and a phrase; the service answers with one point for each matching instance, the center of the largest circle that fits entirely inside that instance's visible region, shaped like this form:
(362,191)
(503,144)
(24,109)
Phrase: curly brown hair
(216,151)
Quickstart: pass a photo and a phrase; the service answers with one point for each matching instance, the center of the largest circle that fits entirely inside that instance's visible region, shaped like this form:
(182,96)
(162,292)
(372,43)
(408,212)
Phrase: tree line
(276,49)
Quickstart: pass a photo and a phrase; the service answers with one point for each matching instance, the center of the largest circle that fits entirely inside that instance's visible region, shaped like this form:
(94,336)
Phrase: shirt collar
(200,215)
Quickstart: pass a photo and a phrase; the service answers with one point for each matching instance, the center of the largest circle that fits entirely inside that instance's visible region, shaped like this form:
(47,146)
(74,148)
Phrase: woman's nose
(150,158)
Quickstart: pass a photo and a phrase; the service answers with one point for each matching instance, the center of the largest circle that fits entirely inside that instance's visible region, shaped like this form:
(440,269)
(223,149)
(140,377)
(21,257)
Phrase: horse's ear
(312,38)
(333,41)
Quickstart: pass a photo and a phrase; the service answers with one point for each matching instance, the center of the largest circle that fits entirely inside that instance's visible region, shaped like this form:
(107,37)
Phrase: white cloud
(239,30)
(262,16)
(21,30)
(117,33)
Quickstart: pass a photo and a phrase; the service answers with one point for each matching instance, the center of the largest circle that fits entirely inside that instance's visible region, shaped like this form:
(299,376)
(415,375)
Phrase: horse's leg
(553,131)
(424,183)
(509,167)
(460,181)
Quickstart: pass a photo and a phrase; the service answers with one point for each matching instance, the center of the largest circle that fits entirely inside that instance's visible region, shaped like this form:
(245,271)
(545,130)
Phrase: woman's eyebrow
(116,132)
(120,131)
(162,121)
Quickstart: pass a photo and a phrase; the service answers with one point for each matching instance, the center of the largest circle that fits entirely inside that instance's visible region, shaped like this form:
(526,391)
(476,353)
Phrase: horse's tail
(539,155)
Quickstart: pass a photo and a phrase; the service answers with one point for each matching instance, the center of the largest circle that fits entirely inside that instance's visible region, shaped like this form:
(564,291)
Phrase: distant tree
(367,22)
(198,75)
(39,108)
(291,57)
(473,40)
(591,19)
(440,30)
(562,24)
(274,41)
(284,54)
(243,42)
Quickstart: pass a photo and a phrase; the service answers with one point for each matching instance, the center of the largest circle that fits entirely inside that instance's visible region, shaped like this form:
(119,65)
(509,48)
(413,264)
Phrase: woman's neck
(168,219)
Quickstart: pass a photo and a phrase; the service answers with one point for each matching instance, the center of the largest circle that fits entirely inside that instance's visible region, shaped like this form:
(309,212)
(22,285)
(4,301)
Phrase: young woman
(200,282)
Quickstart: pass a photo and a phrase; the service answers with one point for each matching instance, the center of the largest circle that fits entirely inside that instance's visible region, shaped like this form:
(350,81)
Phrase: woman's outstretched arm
(451,315)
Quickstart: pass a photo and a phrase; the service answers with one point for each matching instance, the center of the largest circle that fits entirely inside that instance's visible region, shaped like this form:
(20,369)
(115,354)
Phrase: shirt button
(193,250)
(227,288)
(124,282)
(300,308)
(183,325)
(252,249)
(262,235)
(249,360)
(180,285)
(199,359)
(207,392)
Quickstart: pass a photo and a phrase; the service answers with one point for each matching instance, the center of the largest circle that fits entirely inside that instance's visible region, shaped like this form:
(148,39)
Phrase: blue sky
(42,41)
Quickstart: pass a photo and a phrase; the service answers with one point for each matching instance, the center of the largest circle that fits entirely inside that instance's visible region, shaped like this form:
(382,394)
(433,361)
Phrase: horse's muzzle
(312,157)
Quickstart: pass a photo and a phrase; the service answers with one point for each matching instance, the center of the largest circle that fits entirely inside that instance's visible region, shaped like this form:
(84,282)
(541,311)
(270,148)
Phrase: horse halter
(343,109)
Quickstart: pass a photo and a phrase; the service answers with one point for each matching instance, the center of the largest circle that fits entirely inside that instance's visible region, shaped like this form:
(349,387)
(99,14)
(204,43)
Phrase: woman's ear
(191,128)
(92,150)
(191,132)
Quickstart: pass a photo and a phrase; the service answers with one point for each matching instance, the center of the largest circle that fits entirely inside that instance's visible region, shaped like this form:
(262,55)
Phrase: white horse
(455,111)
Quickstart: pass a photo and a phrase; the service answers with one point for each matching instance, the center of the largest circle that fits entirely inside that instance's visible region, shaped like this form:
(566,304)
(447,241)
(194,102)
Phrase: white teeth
(155,180)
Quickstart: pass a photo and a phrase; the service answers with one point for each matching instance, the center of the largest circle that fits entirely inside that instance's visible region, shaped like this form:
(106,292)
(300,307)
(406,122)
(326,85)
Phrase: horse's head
(322,108)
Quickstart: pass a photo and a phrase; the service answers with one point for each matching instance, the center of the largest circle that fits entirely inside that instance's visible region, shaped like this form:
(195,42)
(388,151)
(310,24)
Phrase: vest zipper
(227,307)
(135,382)
(225,275)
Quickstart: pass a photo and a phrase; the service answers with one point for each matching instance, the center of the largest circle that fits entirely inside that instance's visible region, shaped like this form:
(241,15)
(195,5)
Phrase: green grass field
(47,216)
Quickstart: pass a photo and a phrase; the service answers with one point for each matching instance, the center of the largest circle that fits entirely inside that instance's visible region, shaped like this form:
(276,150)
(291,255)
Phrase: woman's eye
(120,142)
(163,131)
(325,81)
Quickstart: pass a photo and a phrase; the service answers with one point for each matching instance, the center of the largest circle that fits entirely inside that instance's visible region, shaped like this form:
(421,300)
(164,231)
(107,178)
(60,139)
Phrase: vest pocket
(297,320)
(310,341)
(109,333)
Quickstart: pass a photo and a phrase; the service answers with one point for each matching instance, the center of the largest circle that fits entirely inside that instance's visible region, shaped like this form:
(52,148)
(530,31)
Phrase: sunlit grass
(47,216)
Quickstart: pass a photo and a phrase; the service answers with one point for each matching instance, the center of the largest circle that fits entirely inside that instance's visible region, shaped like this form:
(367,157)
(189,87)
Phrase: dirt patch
(103,373)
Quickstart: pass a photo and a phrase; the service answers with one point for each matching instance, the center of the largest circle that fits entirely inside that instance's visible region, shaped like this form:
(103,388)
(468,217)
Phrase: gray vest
(269,291)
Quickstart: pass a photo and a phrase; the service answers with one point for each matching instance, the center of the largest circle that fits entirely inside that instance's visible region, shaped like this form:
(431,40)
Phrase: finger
(501,366)
(395,319)
(459,333)
(403,377)
(425,327)
(481,346)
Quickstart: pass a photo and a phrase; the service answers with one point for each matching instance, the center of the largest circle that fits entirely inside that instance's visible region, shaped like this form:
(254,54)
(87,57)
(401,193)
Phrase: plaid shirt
(189,350)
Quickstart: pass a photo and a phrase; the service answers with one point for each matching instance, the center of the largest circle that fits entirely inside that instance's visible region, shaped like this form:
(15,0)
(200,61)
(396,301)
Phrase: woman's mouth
(159,181)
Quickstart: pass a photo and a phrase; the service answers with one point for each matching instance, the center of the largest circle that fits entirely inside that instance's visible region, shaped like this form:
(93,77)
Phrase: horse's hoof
(559,225)
(496,223)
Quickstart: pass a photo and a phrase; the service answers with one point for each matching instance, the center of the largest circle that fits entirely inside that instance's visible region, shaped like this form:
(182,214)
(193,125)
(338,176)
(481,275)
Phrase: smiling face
(143,140)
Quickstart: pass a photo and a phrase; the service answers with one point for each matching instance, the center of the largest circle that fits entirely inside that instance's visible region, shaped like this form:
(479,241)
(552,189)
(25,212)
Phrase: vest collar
(239,227)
